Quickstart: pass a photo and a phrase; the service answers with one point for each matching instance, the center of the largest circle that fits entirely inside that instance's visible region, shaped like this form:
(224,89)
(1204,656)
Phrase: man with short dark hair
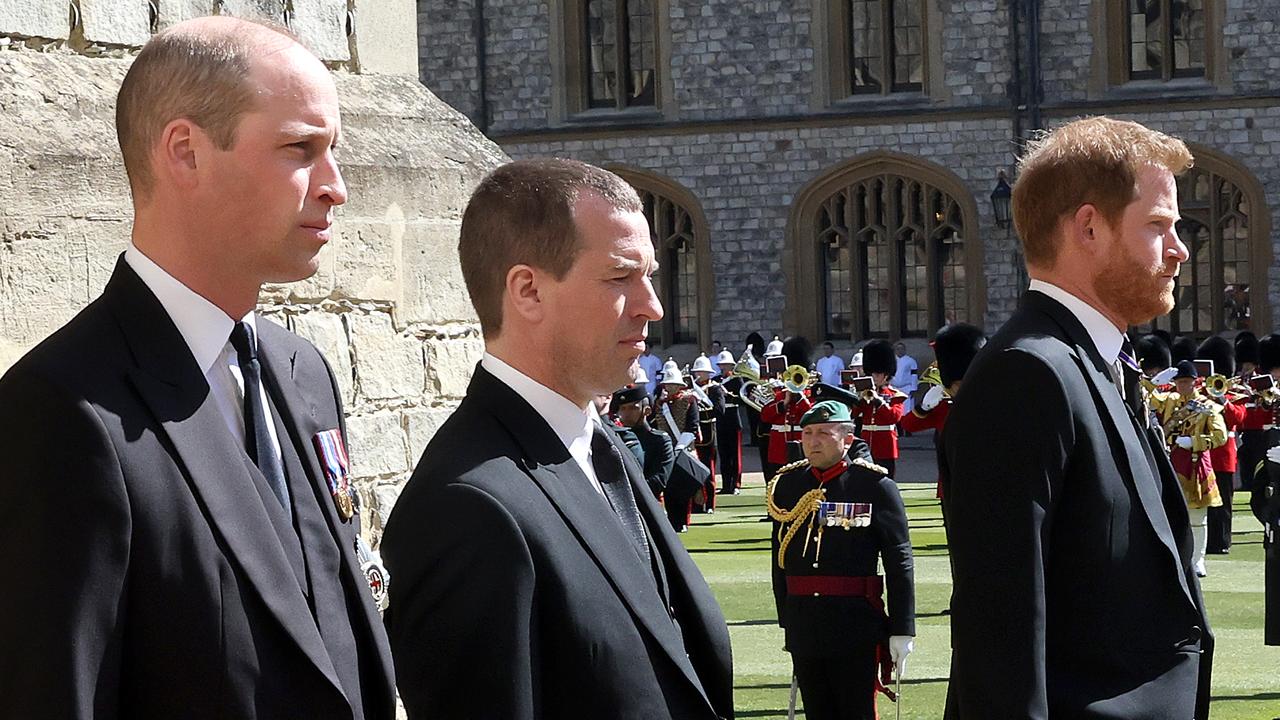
(183,524)
(1075,595)
(534,573)
(830,365)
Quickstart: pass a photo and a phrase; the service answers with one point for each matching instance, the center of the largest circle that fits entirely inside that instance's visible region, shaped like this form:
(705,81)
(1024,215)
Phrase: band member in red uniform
(1218,350)
(881,410)
(782,416)
(954,347)
(1258,420)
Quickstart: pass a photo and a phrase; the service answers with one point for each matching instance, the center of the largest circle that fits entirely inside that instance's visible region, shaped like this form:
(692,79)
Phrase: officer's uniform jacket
(709,418)
(821,553)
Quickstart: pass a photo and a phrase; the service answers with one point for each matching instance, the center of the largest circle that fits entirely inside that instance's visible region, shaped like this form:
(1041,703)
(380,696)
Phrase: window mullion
(621,55)
(886,47)
(1166,30)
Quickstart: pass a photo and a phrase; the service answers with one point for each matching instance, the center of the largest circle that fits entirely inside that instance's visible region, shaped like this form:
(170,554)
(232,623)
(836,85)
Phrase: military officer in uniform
(633,407)
(882,409)
(729,427)
(835,517)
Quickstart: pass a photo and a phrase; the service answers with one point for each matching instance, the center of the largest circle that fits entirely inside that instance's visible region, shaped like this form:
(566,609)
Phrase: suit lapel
(178,396)
(299,417)
(586,513)
(1143,477)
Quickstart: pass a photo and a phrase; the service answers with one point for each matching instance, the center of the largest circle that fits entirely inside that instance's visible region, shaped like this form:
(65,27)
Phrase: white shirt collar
(203,325)
(572,424)
(1106,338)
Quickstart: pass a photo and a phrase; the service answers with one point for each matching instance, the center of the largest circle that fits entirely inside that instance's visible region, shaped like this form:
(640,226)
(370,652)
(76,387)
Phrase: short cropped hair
(1093,161)
(522,214)
(203,77)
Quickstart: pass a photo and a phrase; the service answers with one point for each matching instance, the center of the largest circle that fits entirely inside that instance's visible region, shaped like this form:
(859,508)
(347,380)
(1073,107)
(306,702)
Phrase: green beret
(827,411)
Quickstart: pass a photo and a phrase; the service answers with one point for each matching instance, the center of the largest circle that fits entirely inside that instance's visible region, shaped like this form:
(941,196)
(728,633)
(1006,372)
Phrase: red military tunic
(786,424)
(880,423)
(917,421)
(1233,416)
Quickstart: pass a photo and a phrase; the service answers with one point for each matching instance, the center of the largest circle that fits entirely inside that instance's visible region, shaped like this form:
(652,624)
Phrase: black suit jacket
(515,593)
(145,577)
(1074,591)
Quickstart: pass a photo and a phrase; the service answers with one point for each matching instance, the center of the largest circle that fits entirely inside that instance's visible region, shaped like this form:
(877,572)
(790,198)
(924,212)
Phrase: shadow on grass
(751,623)
(1256,697)
(907,681)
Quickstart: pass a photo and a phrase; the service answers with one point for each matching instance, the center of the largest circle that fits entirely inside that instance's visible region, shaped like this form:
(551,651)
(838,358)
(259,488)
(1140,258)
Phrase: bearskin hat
(1219,350)
(1184,348)
(1152,353)
(878,357)
(798,350)
(1269,353)
(1246,348)
(955,347)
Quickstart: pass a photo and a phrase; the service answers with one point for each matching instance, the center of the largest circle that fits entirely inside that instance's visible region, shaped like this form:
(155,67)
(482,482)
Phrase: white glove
(900,646)
(1165,376)
(1184,442)
(1274,454)
(931,398)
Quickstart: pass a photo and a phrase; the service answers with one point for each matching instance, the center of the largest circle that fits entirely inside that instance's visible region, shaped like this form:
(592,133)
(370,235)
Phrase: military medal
(337,473)
(375,573)
(844,515)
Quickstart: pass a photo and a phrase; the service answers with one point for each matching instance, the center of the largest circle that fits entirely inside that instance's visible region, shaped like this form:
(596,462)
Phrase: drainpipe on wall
(482,66)
(1035,89)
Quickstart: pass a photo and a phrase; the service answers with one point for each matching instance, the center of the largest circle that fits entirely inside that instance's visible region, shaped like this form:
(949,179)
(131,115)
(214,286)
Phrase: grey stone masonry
(746,182)
(723,52)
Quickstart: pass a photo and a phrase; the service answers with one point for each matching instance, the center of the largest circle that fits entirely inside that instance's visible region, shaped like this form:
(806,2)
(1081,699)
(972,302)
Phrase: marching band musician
(1265,500)
(1246,347)
(677,415)
(954,347)
(782,416)
(883,409)
(633,409)
(1258,420)
(835,515)
(729,427)
(711,408)
(1193,426)
(1220,351)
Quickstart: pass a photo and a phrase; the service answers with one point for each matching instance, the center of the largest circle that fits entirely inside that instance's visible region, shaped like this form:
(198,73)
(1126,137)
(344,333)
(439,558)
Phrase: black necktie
(617,490)
(257,433)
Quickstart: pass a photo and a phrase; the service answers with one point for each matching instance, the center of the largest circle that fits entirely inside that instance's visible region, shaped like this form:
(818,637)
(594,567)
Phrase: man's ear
(177,155)
(523,292)
(1084,228)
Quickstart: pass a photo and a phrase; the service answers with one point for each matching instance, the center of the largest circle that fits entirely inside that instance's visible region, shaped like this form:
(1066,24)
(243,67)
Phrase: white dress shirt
(829,369)
(572,424)
(1107,339)
(652,365)
(207,332)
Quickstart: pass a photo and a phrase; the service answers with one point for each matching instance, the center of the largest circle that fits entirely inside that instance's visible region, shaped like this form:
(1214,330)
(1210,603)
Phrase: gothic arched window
(890,248)
(680,243)
(1225,228)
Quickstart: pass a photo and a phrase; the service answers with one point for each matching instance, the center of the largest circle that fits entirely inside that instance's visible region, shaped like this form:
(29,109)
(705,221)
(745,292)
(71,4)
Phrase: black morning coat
(1074,590)
(153,574)
(516,594)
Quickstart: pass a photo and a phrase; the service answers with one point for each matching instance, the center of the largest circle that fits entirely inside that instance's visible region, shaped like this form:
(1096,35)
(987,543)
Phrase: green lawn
(732,548)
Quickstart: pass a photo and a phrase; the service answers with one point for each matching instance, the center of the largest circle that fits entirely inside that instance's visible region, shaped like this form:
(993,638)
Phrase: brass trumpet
(796,379)
(1216,386)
